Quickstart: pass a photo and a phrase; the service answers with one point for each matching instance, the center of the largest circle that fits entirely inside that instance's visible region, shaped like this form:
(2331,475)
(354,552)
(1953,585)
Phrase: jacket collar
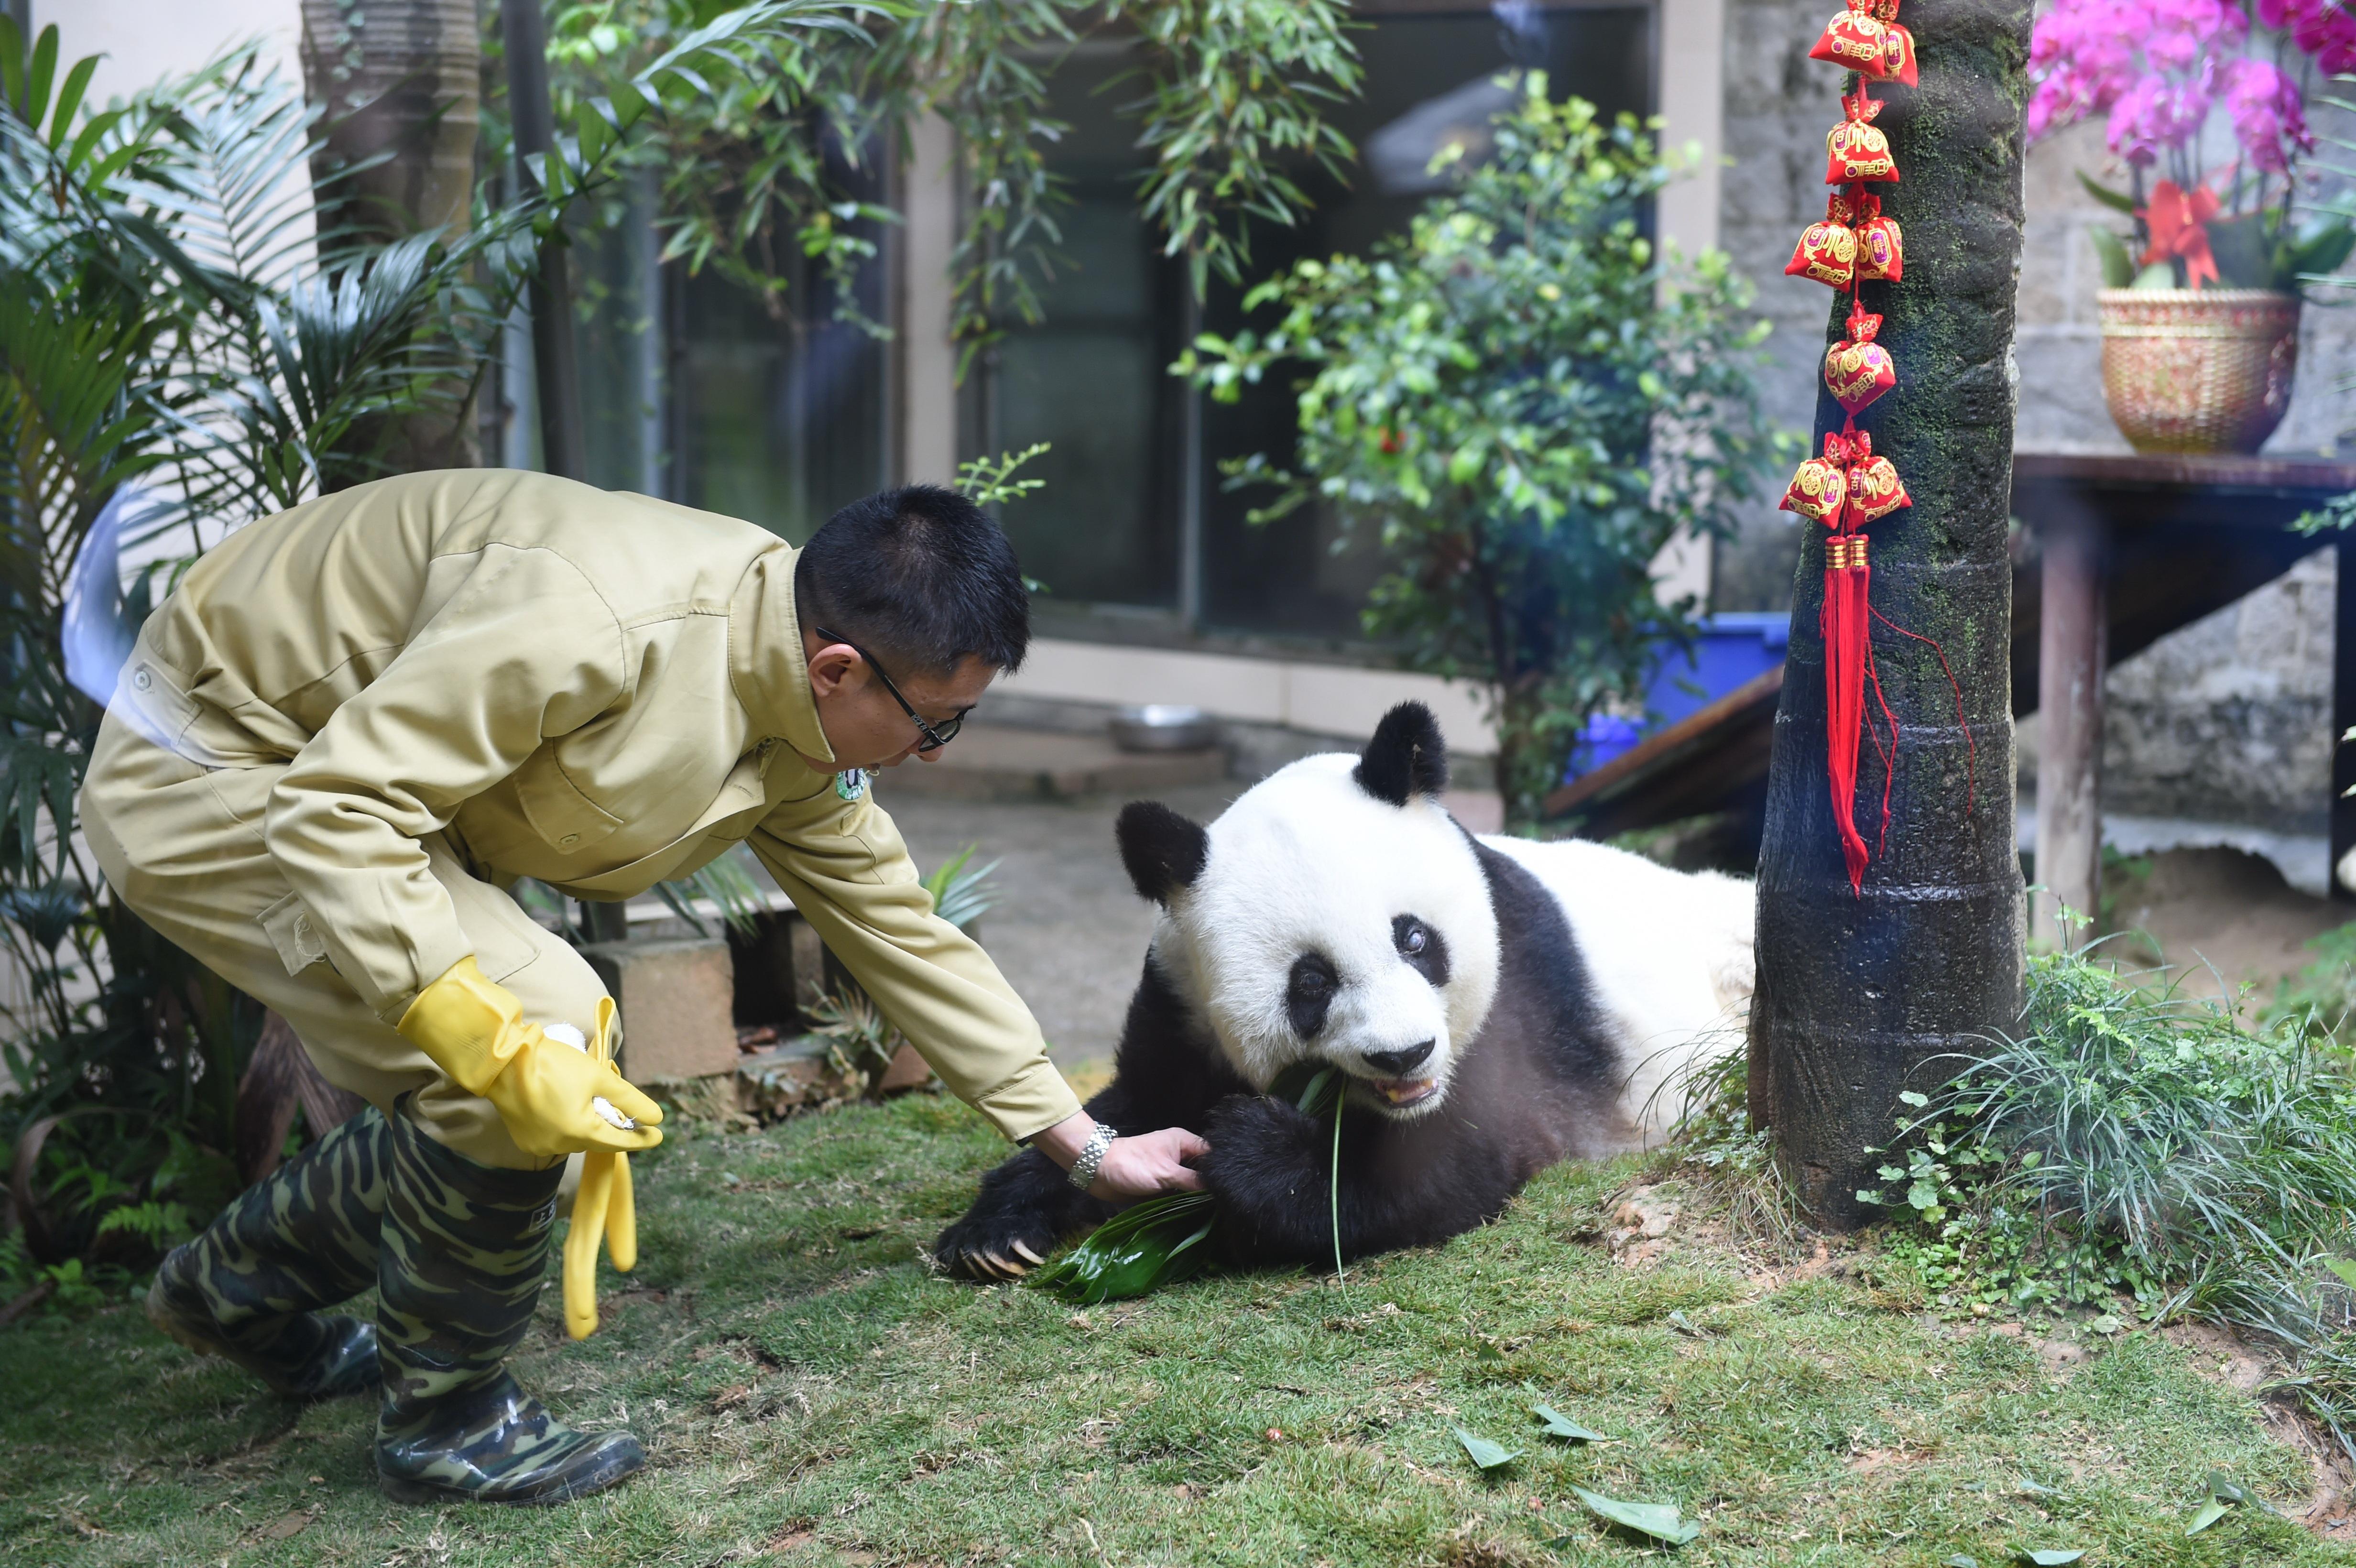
(765,662)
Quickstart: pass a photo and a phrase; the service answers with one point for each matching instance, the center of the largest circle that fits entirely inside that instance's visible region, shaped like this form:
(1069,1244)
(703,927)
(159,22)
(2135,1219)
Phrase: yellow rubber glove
(602,1206)
(548,1093)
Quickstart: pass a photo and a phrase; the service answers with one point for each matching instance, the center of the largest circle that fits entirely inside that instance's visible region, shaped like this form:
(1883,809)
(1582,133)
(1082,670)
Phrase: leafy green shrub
(1523,401)
(2134,1141)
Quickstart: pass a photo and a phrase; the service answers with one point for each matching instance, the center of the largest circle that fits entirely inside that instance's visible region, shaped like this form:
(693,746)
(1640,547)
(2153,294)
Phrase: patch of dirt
(2223,1357)
(2217,913)
(1641,1223)
(1880,1461)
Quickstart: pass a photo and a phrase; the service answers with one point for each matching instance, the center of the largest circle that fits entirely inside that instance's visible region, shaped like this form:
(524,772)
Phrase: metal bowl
(1163,727)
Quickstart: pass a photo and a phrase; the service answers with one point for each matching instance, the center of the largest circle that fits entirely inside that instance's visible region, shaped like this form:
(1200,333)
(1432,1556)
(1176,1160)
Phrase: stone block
(676,1002)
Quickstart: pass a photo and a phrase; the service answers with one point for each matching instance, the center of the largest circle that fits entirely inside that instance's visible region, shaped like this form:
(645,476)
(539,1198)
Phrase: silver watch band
(1092,1156)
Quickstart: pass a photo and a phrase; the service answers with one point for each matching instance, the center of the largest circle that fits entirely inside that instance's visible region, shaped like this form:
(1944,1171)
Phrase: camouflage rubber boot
(466,1251)
(250,1287)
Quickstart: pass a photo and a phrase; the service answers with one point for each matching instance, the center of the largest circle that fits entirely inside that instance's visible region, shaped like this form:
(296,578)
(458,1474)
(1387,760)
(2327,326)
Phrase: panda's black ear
(1406,758)
(1162,850)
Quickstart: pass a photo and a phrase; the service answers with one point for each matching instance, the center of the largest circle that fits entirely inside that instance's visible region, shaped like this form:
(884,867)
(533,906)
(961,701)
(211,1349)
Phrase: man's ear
(1162,850)
(833,666)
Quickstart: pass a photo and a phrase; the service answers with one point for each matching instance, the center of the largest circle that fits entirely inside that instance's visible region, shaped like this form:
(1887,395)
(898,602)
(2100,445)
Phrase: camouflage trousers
(457,1251)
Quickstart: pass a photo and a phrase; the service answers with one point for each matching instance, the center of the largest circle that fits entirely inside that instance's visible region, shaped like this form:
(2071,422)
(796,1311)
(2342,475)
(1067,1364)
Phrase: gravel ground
(1068,930)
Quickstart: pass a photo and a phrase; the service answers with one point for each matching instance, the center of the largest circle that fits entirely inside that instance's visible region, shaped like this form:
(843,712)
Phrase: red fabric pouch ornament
(1881,249)
(1820,487)
(1872,483)
(1854,40)
(1827,251)
(1854,150)
(1898,62)
(1857,368)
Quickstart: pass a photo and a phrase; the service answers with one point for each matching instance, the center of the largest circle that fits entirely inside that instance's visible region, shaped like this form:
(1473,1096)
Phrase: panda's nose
(1398,1063)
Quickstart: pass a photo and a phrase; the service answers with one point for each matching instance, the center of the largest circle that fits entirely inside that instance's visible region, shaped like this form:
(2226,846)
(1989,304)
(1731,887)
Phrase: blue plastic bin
(1733,649)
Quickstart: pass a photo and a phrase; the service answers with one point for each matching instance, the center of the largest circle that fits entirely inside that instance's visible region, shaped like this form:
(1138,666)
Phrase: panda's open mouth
(1404,1091)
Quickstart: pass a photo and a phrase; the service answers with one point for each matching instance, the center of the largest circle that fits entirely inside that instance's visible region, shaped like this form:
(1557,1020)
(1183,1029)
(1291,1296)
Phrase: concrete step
(998,762)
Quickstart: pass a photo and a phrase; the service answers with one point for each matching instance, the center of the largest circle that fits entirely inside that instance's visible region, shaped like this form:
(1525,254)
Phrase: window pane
(779,418)
(1429,79)
(1089,377)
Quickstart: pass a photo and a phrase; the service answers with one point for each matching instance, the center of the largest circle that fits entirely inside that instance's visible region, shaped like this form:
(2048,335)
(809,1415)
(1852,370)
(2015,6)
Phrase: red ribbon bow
(2179,223)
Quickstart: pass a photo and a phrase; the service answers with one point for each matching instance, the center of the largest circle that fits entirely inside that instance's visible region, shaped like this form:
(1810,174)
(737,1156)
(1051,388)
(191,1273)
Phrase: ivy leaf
(2049,1559)
(1662,1521)
(2211,1512)
(1558,1425)
(1909,1097)
(1488,1455)
(1923,1195)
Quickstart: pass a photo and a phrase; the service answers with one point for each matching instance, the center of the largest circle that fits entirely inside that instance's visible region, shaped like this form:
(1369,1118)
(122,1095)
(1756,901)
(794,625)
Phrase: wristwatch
(1092,1156)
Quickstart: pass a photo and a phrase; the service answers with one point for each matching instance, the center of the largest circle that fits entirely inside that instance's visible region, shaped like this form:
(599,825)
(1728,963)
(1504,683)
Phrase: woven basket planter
(2198,370)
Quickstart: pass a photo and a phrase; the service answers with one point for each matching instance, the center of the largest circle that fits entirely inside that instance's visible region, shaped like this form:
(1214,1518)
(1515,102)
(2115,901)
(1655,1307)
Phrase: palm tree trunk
(402,79)
(1858,997)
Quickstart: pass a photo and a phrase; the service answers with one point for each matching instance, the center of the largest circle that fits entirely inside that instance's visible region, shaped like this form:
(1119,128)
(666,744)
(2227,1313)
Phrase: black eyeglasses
(936,736)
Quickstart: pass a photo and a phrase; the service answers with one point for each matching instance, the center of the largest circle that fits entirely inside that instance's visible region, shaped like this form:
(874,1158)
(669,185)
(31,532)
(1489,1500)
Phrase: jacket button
(568,841)
(142,680)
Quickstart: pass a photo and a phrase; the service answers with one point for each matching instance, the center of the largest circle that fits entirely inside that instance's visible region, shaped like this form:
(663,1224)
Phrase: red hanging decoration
(1827,251)
(1850,485)
(1857,368)
(1881,249)
(1866,39)
(1854,149)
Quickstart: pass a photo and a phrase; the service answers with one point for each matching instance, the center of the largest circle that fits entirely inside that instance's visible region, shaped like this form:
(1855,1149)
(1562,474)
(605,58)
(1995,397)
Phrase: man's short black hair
(919,576)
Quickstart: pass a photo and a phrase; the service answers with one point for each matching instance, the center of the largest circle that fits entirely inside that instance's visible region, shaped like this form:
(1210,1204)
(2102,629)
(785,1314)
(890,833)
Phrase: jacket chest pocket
(564,818)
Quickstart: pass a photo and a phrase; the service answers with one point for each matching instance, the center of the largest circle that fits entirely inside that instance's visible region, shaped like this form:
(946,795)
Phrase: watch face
(851,783)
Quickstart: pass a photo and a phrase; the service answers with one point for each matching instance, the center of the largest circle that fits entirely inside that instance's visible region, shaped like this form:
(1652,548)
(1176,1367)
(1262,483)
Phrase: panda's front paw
(993,1248)
(1262,1149)
(1025,1212)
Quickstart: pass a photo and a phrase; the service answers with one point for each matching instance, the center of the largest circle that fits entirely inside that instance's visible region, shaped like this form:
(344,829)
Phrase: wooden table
(2128,550)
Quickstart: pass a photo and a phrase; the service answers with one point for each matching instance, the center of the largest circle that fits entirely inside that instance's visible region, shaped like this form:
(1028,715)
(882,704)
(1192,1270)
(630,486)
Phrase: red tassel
(1847,654)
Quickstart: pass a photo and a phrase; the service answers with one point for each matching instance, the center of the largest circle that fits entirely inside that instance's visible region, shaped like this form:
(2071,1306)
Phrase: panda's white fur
(1289,868)
(1670,954)
(1308,859)
(1497,1004)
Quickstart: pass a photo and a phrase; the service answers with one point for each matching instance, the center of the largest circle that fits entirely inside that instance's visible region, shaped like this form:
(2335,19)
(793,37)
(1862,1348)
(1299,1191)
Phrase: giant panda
(1496,1005)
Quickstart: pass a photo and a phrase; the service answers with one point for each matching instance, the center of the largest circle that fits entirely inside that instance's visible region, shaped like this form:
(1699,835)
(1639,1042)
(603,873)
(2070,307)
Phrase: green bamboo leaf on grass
(1488,1455)
(1662,1521)
(2211,1512)
(1558,1425)
(2049,1559)
(2343,1268)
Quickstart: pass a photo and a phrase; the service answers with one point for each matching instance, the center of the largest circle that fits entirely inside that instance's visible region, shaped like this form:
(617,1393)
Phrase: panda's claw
(1023,1248)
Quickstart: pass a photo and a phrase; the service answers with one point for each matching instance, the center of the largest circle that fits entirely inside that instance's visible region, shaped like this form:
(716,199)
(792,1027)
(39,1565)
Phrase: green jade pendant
(851,783)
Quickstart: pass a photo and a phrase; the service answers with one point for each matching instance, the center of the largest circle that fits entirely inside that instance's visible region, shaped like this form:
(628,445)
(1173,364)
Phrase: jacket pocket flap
(294,934)
(562,816)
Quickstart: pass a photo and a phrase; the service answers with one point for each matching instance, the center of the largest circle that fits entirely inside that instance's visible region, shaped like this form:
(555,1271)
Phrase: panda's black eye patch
(1423,947)
(1309,993)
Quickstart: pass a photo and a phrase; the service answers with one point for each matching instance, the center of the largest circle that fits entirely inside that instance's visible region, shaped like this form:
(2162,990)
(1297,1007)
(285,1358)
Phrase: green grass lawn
(809,1394)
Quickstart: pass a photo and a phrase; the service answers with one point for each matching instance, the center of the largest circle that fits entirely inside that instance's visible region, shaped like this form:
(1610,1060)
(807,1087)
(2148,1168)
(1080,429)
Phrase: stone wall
(2227,719)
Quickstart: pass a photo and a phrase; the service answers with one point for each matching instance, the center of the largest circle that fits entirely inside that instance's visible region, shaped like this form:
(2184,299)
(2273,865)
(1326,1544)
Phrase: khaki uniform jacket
(599,690)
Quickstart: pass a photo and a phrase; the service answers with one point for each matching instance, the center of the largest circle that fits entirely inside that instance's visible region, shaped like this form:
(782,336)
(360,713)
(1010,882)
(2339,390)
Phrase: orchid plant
(2208,212)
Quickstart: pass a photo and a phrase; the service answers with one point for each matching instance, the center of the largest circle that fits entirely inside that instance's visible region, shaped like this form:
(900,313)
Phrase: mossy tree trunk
(1857,997)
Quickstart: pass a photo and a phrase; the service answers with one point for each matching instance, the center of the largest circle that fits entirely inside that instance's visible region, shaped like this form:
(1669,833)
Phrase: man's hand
(555,1098)
(1134,1167)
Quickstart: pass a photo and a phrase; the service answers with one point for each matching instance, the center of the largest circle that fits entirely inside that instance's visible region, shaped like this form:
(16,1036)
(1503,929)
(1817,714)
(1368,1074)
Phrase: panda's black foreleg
(1028,1207)
(1271,1168)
